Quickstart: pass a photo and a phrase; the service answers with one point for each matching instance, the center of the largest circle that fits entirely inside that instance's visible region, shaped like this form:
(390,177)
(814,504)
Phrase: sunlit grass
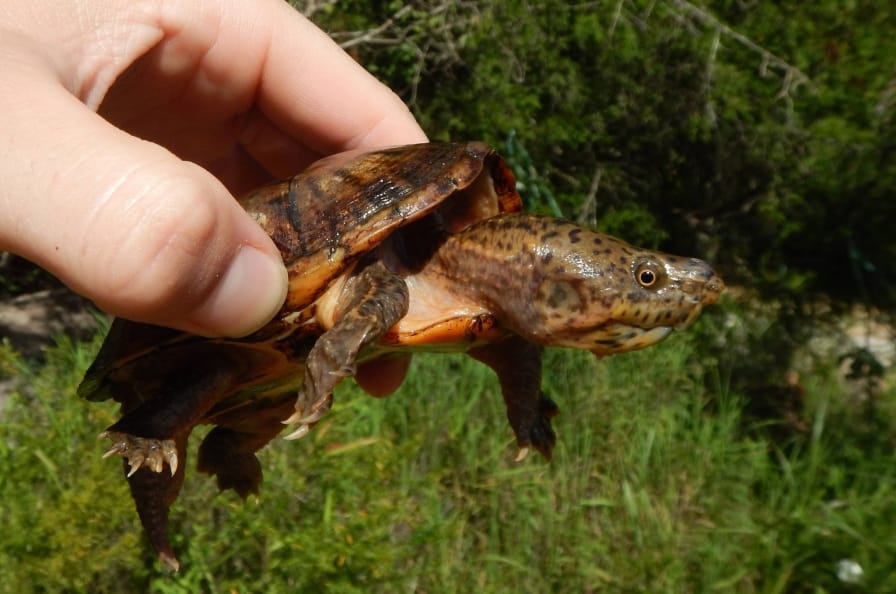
(657,485)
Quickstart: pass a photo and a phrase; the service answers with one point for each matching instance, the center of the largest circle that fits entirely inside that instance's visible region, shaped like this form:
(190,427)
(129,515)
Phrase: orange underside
(459,333)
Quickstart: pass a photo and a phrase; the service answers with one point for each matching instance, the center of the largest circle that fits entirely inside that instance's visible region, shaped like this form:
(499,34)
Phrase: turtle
(413,248)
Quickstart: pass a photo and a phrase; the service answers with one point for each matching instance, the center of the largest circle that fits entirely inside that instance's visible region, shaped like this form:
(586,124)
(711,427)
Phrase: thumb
(126,223)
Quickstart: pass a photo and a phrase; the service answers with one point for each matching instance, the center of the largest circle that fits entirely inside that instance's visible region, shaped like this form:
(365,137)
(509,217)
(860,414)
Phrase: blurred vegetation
(757,135)
(752,454)
(19,276)
(660,483)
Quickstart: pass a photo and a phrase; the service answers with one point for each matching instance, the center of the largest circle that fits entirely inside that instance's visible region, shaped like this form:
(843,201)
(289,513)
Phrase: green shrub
(657,485)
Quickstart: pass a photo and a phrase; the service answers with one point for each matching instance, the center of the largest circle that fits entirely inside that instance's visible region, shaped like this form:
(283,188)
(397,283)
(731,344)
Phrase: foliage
(755,134)
(658,484)
(65,517)
(18,276)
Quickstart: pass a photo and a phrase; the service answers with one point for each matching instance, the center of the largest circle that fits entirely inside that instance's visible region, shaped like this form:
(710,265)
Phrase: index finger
(317,93)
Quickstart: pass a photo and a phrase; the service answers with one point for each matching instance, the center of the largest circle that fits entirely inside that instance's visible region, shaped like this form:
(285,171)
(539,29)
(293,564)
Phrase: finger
(381,377)
(240,172)
(310,88)
(301,96)
(145,235)
(269,145)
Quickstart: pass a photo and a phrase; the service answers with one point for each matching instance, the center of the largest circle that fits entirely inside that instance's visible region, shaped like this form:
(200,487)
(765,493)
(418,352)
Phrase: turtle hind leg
(146,433)
(153,493)
(230,457)
(228,451)
(517,364)
(153,434)
(372,302)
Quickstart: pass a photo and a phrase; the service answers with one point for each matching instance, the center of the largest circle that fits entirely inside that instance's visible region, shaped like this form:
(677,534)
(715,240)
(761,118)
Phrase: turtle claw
(170,561)
(296,417)
(140,451)
(118,448)
(135,462)
(300,417)
(522,454)
(305,418)
(299,433)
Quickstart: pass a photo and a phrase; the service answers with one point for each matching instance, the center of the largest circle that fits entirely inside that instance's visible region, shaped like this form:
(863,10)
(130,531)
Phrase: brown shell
(328,216)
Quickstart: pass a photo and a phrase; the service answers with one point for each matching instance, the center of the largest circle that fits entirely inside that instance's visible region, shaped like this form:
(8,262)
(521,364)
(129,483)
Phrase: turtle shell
(342,207)
(324,220)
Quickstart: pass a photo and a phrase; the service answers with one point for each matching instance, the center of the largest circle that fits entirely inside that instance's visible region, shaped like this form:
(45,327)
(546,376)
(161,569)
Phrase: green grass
(657,485)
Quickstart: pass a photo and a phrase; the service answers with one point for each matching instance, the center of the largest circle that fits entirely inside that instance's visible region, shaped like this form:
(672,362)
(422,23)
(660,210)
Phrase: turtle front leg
(372,302)
(517,364)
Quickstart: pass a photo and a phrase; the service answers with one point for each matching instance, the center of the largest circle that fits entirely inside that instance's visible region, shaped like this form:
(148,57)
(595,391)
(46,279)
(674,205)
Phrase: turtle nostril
(712,290)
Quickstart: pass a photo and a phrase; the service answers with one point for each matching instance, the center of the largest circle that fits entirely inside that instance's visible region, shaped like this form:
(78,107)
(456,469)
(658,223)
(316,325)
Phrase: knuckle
(166,251)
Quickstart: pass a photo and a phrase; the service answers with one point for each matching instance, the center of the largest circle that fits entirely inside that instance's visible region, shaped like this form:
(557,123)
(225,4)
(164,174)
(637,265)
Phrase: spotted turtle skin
(416,248)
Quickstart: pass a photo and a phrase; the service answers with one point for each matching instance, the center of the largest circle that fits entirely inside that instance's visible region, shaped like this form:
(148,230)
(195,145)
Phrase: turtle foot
(306,416)
(170,561)
(371,302)
(142,451)
(229,455)
(535,431)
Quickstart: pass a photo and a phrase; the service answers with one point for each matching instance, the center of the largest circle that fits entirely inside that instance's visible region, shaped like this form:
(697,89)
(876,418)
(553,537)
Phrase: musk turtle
(423,247)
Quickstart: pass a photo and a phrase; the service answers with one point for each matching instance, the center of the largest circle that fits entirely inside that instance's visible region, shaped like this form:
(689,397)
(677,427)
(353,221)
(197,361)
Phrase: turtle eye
(646,276)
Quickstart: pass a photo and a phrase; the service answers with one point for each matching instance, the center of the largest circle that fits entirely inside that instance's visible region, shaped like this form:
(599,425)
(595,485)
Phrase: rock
(32,320)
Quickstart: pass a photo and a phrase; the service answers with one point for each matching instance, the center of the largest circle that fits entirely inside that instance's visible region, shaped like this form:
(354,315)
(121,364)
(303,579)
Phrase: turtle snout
(714,287)
(701,282)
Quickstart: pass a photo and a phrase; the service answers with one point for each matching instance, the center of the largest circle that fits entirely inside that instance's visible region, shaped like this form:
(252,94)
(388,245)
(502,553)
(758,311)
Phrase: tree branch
(793,76)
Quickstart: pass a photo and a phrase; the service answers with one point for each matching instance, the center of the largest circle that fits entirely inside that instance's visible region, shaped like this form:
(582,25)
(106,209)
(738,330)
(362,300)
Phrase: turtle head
(662,293)
(601,294)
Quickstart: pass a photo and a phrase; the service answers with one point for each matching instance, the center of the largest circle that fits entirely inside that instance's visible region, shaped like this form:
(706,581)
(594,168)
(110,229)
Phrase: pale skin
(127,127)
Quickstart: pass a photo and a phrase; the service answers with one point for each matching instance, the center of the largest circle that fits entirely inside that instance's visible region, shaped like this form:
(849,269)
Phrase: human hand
(126,126)
(107,108)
